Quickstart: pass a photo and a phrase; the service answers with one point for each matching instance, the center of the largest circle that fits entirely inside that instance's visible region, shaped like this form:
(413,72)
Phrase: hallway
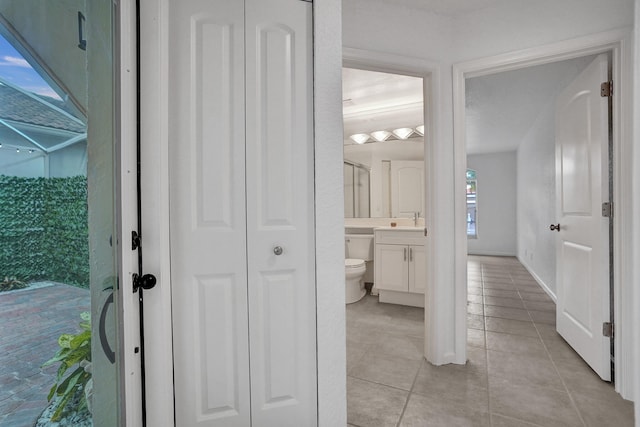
(520,372)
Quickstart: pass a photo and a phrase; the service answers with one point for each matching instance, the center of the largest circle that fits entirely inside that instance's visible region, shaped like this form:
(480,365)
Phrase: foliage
(44,231)
(11,283)
(74,350)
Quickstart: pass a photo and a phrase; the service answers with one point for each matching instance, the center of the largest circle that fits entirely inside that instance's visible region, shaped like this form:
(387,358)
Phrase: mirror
(384,147)
(384,179)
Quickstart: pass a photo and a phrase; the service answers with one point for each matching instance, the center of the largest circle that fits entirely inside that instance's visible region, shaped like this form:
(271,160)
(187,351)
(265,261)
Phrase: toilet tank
(359,246)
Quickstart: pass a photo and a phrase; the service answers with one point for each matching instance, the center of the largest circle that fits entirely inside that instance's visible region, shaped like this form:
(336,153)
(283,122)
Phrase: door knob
(555,227)
(278,250)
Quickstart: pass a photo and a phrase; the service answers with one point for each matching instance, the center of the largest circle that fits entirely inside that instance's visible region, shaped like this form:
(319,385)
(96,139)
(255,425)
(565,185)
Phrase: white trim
(126,214)
(617,42)
(438,327)
(538,279)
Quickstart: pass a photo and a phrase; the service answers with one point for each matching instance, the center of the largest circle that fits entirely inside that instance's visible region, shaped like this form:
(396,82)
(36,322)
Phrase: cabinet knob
(278,250)
(555,227)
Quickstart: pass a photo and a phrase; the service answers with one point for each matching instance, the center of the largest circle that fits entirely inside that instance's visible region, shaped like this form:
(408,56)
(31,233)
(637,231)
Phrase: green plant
(74,350)
(11,283)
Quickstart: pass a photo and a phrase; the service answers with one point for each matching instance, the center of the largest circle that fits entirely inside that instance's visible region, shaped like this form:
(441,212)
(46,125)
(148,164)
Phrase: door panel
(280,200)
(207,226)
(583,241)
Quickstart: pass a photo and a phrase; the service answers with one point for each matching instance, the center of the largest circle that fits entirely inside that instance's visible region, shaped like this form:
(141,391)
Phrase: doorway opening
(58,229)
(579,50)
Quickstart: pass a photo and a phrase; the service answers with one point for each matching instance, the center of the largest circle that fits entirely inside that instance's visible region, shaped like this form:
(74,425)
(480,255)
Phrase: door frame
(125,87)
(619,44)
(435,337)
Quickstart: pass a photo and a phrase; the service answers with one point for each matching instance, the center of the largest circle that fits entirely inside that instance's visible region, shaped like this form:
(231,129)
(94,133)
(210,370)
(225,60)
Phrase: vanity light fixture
(381,135)
(403,133)
(420,130)
(360,138)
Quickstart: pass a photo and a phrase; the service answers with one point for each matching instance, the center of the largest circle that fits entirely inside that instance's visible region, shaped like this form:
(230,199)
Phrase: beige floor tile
(475,322)
(502,421)
(401,346)
(503,302)
(601,412)
(533,296)
(510,326)
(473,308)
(392,371)
(373,405)
(540,306)
(475,338)
(517,344)
(581,379)
(355,352)
(491,284)
(474,290)
(478,299)
(502,293)
(548,317)
(506,313)
(525,370)
(542,406)
(464,385)
(530,288)
(423,411)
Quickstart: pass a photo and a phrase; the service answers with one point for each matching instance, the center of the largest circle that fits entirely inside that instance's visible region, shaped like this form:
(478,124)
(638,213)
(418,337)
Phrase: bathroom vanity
(400,265)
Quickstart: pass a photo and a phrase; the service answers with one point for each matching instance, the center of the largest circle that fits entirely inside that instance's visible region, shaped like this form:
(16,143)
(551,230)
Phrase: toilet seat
(353,263)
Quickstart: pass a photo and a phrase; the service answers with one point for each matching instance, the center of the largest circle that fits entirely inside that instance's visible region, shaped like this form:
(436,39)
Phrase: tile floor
(520,372)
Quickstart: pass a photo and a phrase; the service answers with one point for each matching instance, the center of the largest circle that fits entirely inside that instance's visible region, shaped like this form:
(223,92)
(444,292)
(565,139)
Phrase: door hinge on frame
(607,329)
(607,210)
(606,89)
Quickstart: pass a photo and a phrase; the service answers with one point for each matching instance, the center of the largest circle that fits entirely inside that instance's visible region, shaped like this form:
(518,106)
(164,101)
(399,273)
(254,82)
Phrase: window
(472,204)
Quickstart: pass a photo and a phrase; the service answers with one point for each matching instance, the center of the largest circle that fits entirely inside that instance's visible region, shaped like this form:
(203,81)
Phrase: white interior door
(407,196)
(583,239)
(208,213)
(280,212)
(241,187)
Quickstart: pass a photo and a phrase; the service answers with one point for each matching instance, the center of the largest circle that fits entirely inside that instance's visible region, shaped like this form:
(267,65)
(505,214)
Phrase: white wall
(536,199)
(496,204)
(332,365)
(444,40)
(636,203)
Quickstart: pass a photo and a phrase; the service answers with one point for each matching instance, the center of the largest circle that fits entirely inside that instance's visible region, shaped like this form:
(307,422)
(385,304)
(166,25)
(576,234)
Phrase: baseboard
(490,253)
(541,282)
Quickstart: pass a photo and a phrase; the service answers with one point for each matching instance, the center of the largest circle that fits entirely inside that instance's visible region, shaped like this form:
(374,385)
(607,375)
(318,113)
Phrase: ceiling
(374,101)
(500,108)
(448,7)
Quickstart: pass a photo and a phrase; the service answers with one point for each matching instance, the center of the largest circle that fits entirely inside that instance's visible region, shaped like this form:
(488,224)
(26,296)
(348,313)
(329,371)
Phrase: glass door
(59,301)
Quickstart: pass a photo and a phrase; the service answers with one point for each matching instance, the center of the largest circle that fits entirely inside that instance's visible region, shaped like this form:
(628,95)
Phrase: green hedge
(44,230)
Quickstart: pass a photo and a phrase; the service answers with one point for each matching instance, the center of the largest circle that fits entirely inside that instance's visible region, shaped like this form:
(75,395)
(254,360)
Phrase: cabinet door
(417,269)
(391,267)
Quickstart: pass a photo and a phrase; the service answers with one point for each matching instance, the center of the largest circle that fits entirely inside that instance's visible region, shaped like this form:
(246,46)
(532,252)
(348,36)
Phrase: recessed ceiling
(380,101)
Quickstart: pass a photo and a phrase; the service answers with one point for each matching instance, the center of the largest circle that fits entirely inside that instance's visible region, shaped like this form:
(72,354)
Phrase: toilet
(359,250)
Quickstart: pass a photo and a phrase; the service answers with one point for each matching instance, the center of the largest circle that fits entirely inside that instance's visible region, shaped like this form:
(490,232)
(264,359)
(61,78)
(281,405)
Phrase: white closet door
(208,223)
(280,201)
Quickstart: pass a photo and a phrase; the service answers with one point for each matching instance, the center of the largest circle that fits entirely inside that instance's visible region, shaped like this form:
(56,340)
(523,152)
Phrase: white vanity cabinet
(400,265)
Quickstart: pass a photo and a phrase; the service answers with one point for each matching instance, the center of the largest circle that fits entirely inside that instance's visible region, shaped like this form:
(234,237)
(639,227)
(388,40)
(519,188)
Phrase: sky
(17,71)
